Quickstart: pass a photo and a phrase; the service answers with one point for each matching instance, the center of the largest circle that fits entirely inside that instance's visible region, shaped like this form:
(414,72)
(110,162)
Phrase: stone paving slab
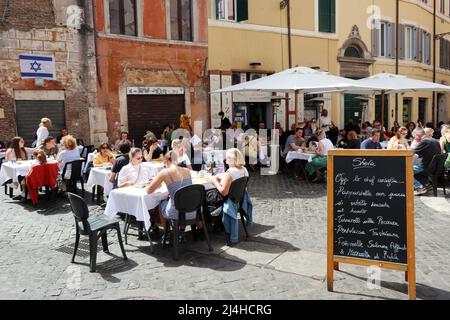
(283,259)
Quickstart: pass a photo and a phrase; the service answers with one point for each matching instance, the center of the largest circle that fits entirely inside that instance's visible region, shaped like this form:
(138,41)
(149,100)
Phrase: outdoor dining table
(100,177)
(137,202)
(12,170)
(296,155)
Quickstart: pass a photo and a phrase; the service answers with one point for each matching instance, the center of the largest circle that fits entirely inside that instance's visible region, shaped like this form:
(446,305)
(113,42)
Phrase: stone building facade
(63,29)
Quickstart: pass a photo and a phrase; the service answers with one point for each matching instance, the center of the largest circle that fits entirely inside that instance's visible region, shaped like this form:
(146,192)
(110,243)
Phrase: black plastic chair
(85,151)
(436,171)
(236,194)
(75,176)
(188,199)
(94,227)
(11,191)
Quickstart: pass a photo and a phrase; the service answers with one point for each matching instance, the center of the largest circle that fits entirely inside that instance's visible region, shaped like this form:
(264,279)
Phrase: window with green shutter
(232,10)
(241,10)
(327,16)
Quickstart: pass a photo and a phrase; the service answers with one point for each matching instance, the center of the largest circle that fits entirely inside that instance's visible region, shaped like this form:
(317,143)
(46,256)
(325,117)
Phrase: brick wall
(35,32)
(26,15)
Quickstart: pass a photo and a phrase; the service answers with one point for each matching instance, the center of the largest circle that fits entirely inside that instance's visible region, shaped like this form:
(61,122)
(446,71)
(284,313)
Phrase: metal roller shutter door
(152,112)
(30,112)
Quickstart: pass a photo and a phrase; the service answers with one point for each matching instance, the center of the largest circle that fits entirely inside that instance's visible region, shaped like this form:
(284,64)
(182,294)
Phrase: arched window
(352,52)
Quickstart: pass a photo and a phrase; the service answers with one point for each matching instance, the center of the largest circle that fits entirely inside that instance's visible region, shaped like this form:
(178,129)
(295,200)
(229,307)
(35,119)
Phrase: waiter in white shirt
(325,121)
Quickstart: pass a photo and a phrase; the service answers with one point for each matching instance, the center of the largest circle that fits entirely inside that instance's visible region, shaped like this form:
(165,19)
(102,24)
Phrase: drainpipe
(434,62)
(94,19)
(289,33)
(397,51)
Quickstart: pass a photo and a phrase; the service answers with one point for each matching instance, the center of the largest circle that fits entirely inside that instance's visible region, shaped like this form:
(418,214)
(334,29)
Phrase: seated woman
(399,142)
(320,161)
(352,141)
(41,158)
(49,147)
(104,156)
(134,173)
(16,152)
(68,153)
(175,177)
(183,160)
(152,151)
(236,170)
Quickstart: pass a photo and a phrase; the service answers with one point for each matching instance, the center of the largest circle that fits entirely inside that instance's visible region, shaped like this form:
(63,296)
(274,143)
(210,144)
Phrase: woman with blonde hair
(399,142)
(235,161)
(42,132)
(445,138)
(320,161)
(237,170)
(68,153)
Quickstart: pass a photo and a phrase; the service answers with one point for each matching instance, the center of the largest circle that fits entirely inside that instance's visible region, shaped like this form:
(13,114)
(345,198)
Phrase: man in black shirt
(224,121)
(121,161)
(426,150)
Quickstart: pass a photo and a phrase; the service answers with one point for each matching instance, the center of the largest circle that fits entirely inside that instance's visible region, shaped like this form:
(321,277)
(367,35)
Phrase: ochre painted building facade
(333,35)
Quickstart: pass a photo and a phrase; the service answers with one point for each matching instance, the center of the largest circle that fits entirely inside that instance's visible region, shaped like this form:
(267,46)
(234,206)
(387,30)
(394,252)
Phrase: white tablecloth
(294,155)
(155,167)
(135,201)
(100,177)
(13,171)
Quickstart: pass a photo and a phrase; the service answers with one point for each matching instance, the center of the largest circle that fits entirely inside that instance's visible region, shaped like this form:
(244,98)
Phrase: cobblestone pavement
(284,258)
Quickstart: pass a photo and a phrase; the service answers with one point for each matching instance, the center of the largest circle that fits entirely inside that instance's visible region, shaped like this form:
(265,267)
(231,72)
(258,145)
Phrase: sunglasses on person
(139,158)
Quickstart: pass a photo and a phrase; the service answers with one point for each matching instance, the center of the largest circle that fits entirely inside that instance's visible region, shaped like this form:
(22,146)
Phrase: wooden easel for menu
(341,163)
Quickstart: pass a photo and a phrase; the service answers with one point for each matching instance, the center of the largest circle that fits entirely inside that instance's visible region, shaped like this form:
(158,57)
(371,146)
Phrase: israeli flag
(37,66)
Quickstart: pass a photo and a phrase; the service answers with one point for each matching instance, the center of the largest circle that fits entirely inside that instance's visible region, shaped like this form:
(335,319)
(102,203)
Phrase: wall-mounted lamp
(255,64)
(283,4)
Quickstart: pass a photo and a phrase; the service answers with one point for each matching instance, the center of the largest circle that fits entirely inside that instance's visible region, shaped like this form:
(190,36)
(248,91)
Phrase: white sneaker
(420,191)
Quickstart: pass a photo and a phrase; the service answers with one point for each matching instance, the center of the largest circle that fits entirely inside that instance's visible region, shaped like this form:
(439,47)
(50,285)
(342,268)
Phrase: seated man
(426,149)
(373,142)
(294,143)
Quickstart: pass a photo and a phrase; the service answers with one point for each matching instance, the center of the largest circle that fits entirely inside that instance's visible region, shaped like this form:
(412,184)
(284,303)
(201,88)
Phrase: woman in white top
(68,153)
(236,162)
(134,173)
(17,150)
(320,161)
(42,133)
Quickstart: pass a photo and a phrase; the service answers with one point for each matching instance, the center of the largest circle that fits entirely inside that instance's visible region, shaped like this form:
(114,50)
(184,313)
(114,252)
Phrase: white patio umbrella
(385,83)
(296,80)
(299,79)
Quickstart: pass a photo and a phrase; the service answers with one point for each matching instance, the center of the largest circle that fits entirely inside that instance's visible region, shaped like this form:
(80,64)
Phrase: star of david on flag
(37,66)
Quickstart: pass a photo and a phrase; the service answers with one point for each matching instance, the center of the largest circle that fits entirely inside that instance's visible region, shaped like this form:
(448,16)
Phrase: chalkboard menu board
(370,208)
(371,211)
